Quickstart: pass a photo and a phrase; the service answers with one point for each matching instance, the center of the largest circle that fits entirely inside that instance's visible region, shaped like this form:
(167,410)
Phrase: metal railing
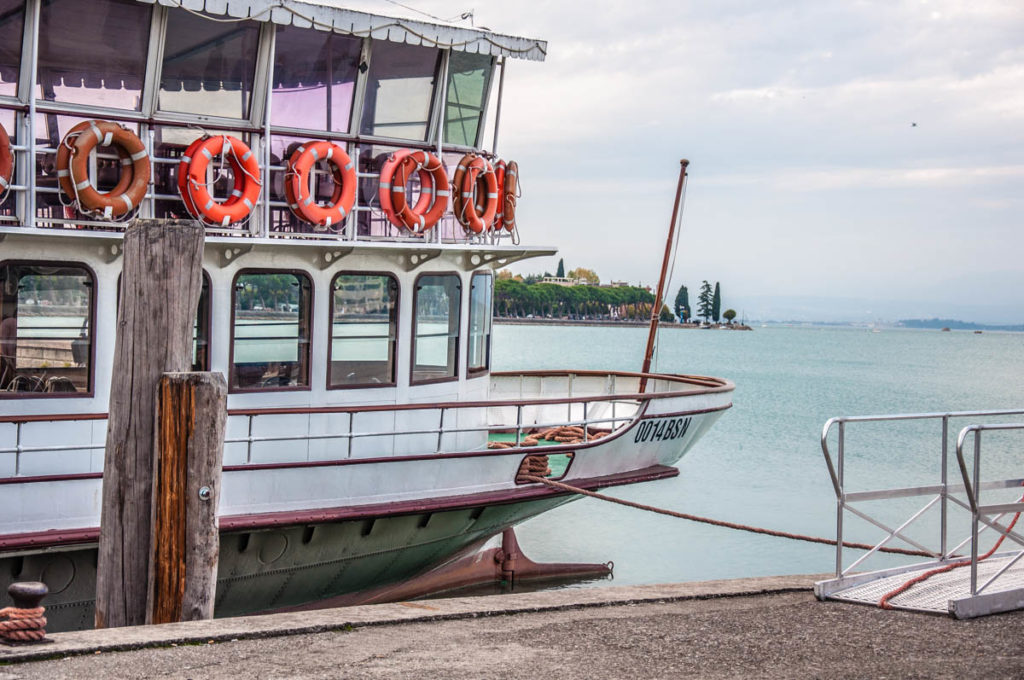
(989,515)
(940,493)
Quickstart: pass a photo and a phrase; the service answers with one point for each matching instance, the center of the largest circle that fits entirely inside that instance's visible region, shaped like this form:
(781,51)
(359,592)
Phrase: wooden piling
(186,542)
(160,285)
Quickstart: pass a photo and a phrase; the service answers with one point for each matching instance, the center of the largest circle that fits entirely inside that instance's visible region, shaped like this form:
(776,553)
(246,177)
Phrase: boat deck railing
(520,404)
(1004,575)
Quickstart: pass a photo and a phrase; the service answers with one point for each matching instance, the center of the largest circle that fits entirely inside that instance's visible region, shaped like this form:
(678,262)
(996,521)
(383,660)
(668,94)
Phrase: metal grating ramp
(943,593)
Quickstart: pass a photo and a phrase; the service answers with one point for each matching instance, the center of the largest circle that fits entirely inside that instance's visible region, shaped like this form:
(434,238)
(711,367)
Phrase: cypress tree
(682,306)
(716,304)
(704,301)
(561,268)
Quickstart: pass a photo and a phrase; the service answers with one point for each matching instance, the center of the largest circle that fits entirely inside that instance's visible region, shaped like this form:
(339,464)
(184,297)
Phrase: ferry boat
(367,440)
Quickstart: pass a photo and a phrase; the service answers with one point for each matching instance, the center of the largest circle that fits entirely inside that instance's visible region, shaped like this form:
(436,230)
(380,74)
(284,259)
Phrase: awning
(328,15)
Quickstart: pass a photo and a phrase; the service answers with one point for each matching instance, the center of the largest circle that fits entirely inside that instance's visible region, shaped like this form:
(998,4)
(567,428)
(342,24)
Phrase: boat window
(12,26)
(399,87)
(469,78)
(435,347)
(364,321)
(480,323)
(208,65)
(93,53)
(271,330)
(314,79)
(46,321)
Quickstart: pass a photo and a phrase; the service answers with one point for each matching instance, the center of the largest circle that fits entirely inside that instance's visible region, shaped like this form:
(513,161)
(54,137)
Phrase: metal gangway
(982,573)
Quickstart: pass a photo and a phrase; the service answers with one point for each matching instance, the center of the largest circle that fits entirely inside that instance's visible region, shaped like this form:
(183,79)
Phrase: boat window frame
(310,321)
(397,330)
(356,123)
(91,373)
(458,336)
(475,372)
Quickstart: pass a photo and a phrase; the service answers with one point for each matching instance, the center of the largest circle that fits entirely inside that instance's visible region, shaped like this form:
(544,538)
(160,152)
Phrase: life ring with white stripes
(64,150)
(508,185)
(299,195)
(243,163)
(73,168)
(6,162)
(387,173)
(475,209)
(434,191)
(183,163)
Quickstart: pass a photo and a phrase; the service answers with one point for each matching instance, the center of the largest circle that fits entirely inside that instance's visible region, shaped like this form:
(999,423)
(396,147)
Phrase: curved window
(364,321)
(435,348)
(399,89)
(46,322)
(93,53)
(314,78)
(208,65)
(271,330)
(480,323)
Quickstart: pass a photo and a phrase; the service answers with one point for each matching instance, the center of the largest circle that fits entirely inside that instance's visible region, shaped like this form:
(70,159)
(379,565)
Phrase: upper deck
(272,73)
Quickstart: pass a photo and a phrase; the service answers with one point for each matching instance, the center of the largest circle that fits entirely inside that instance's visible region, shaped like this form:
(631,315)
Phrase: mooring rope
(22,625)
(717,522)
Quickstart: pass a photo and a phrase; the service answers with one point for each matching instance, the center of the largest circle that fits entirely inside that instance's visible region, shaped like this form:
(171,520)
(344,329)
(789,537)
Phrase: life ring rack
(236,208)
(73,169)
(300,197)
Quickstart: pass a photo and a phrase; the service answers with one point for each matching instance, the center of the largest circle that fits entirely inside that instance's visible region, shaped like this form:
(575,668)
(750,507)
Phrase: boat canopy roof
(330,15)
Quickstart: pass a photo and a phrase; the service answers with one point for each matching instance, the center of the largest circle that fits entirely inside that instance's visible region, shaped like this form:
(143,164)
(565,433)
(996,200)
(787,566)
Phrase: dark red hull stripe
(233,523)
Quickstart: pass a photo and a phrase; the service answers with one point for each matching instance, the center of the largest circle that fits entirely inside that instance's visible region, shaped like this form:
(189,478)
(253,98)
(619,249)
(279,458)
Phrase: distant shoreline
(518,321)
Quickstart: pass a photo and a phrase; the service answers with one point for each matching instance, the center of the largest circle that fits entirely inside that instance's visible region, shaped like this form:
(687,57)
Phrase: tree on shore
(729,315)
(584,274)
(561,268)
(716,304)
(666,315)
(704,301)
(682,306)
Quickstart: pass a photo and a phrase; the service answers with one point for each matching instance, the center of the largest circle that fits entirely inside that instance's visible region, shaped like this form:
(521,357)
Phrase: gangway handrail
(980,513)
(836,474)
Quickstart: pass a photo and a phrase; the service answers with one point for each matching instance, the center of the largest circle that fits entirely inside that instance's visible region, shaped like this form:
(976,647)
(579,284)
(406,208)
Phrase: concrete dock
(766,627)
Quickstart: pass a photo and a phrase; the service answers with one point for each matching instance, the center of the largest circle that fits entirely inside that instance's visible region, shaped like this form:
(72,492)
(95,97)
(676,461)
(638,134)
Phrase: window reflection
(200,325)
(12,25)
(93,55)
(364,319)
(271,330)
(45,328)
(399,88)
(469,77)
(208,65)
(480,323)
(314,79)
(436,335)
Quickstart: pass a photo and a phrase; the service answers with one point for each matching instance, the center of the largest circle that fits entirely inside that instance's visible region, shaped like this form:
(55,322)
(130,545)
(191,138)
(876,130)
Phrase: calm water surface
(761,463)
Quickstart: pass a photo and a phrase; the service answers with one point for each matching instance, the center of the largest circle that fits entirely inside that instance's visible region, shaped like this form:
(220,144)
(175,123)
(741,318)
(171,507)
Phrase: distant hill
(957,325)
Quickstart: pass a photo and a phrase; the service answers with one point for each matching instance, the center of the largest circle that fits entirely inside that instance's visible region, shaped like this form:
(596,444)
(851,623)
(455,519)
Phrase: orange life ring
(434,191)
(509,187)
(499,179)
(475,218)
(183,163)
(387,173)
(124,180)
(243,162)
(300,197)
(6,161)
(114,203)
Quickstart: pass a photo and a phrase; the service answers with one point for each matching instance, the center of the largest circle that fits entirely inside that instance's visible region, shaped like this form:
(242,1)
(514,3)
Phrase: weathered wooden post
(186,489)
(160,285)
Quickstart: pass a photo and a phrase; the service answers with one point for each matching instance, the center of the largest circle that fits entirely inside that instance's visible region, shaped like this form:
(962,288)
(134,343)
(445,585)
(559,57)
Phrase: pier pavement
(765,628)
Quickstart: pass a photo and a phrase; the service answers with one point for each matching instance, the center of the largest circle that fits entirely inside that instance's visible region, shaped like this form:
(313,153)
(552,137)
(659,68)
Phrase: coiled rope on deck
(717,522)
(22,625)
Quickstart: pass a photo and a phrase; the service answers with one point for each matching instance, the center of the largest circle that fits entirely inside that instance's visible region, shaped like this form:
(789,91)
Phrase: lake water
(762,464)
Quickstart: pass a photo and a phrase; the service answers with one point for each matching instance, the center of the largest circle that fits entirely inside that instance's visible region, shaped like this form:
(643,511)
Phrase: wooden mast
(659,298)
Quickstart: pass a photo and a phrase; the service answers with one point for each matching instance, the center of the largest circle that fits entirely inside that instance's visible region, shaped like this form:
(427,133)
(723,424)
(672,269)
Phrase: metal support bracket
(109,252)
(412,261)
(229,254)
(326,258)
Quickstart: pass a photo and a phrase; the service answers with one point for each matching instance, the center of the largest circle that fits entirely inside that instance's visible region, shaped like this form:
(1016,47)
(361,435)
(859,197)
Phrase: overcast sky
(857,150)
